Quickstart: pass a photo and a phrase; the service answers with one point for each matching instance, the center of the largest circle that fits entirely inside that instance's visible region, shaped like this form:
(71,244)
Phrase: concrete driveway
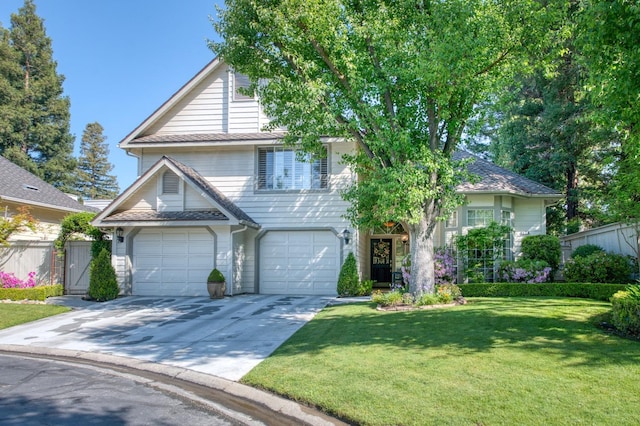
(222,337)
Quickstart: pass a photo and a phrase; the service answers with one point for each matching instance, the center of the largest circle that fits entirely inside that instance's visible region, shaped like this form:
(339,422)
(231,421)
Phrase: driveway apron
(223,337)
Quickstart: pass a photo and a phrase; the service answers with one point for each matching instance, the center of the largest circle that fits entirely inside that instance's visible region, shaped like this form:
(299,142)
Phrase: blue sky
(122,59)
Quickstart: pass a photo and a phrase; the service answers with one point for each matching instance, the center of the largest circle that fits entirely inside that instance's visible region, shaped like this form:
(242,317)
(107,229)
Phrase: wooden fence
(616,238)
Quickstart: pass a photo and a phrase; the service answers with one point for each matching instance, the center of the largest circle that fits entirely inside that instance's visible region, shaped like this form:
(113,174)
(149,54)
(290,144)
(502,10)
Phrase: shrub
(581,290)
(447,293)
(427,299)
(626,310)
(103,284)
(215,276)
(391,298)
(348,280)
(445,266)
(40,292)
(9,280)
(599,267)
(365,287)
(542,247)
(525,271)
(586,250)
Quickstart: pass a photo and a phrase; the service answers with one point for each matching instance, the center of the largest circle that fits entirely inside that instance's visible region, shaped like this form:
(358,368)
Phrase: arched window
(170,183)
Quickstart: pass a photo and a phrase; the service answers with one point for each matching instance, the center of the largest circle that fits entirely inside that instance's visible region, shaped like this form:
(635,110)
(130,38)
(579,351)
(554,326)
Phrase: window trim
(487,209)
(260,181)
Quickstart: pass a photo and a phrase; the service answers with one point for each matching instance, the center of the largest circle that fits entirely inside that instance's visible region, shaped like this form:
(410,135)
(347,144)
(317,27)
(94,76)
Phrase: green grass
(13,314)
(526,361)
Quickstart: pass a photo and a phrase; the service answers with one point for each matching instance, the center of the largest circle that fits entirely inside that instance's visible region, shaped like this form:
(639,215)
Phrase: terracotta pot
(216,289)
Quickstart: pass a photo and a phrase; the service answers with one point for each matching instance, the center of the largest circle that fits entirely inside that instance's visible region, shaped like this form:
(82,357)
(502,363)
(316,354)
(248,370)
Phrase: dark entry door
(381,260)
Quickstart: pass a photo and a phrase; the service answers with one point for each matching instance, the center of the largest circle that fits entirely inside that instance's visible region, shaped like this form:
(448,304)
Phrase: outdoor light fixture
(405,238)
(120,234)
(346,235)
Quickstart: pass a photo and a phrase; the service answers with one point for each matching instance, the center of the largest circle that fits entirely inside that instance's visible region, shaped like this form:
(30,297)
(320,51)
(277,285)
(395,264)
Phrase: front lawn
(493,361)
(14,313)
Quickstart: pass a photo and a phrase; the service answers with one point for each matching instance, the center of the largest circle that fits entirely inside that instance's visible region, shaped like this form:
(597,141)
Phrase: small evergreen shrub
(40,292)
(215,276)
(348,280)
(581,290)
(542,247)
(525,271)
(103,284)
(626,310)
(598,267)
(586,250)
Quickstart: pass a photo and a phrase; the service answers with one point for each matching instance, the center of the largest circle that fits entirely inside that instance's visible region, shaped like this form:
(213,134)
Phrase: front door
(381,260)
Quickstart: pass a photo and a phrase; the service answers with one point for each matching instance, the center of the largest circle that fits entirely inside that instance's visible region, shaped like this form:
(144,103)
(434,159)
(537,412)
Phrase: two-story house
(216,191)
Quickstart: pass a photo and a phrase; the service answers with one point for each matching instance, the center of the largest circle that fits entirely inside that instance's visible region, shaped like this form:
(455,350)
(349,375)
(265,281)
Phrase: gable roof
(20,186)
(223,209)
(495,179)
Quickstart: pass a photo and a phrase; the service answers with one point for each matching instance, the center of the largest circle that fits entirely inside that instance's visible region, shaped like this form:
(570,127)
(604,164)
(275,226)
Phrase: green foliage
(400,80)
(79,223)
(348,280)
(625,314)
(391,298)
(524,270)
(215,276)
(542,247)
(427,299)
(34,114)
(40,292)
(581,290)
(103,284)
(16,223)
(480,250)
(586,250)
(598,267)
(94,180)
(365,288)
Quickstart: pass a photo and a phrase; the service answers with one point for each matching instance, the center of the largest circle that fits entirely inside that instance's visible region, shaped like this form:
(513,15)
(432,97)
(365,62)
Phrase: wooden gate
(77,261)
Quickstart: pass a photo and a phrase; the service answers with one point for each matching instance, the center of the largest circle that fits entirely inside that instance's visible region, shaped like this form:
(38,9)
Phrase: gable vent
(30,187)
(170,183)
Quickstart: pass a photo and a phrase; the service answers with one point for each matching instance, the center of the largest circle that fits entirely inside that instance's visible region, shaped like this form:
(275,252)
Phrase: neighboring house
(48,205)
(216,191)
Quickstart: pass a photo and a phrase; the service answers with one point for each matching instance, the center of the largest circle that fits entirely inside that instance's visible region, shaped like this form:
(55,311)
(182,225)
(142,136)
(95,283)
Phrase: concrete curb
(281,406)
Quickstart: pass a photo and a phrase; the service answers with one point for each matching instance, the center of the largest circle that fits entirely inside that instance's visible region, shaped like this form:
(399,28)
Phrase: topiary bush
(586,250)
(598,267)
(626,310)
(103,284)
(215,276)
(348,280)
(542,247)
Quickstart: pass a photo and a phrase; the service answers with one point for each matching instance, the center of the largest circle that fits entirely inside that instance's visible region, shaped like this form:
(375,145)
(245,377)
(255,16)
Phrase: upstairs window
(240,81)
(281,169)
(170,182)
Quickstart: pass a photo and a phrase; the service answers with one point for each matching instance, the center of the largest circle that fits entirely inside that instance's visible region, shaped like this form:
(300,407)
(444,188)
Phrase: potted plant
(216,284)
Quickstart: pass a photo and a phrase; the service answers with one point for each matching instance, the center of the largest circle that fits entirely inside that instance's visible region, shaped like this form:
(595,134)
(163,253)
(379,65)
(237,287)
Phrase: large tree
(34,127)
(400,78)
(94,180)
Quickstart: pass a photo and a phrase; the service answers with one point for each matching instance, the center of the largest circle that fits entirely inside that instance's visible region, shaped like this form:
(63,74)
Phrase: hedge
(626,313)
(582,290)
(33,293)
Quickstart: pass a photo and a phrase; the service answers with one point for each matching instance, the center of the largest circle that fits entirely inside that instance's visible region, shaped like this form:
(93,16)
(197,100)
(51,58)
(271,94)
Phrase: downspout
(233,257)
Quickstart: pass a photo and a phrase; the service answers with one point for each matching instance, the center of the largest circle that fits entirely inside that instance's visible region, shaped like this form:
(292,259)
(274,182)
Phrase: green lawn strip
(13,313)
(493,361)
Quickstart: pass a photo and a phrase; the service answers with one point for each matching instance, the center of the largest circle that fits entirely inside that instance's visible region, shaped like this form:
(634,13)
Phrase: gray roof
(207,137)
(154,216)
(499,180)
(20,186)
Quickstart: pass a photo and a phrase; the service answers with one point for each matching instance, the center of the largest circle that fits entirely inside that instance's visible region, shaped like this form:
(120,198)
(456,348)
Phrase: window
(506,218)
(281,169)
(452,222)
(479,217)
(240,81)
(170,182)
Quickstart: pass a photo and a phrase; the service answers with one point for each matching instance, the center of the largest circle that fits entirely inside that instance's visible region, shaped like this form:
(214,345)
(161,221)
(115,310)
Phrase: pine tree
(94,180)
(34,127)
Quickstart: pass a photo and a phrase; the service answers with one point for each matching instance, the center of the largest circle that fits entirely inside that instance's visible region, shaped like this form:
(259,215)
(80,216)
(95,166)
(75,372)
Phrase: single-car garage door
(172,262)
(299,262)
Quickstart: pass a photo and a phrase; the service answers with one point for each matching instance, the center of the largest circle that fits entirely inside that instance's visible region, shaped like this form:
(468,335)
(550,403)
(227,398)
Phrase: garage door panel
(172,262)
(299,262)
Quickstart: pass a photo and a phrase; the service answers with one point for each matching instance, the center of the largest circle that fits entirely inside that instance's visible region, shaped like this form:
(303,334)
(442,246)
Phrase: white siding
(529,219)
(145,198)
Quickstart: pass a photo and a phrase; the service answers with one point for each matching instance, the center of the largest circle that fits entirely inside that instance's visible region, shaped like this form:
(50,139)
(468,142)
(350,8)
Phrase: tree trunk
(572,192)
(422,256)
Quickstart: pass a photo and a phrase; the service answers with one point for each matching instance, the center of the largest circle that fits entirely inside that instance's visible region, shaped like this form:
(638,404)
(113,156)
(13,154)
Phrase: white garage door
(299,262)
(172,262)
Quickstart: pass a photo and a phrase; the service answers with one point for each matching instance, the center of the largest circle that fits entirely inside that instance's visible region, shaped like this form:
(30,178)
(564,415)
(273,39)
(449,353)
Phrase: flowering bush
(406,270)
(9,280)
(445,266)
(525,271)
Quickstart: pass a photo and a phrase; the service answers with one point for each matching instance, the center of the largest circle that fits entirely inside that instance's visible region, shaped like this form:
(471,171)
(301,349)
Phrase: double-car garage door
(299,262)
